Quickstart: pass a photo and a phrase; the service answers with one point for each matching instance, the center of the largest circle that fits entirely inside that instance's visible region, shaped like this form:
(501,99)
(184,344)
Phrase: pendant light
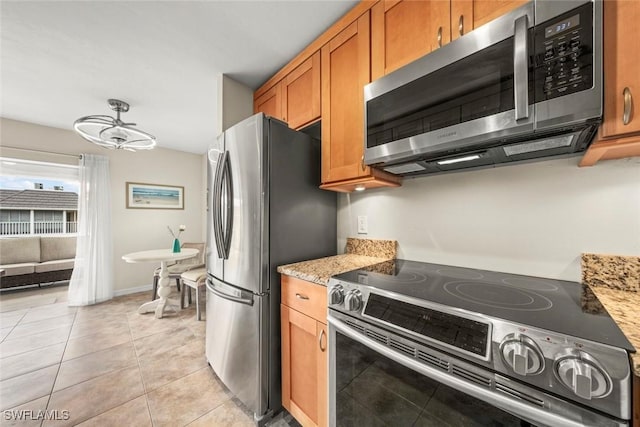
(108,132)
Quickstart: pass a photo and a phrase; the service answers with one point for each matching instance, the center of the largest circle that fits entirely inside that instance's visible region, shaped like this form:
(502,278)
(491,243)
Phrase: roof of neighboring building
(38,199)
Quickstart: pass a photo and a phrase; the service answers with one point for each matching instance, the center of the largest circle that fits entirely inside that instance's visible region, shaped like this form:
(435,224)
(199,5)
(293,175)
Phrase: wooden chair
(193,279)
(175,270)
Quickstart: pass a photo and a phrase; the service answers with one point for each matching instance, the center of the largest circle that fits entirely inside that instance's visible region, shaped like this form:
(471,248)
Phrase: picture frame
(154,196)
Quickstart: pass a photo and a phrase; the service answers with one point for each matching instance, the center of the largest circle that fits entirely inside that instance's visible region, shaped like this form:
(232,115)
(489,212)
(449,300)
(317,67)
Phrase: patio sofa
(36,259)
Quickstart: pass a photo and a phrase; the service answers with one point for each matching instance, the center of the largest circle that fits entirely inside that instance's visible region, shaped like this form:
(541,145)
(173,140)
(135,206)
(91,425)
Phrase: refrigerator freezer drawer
(235,336)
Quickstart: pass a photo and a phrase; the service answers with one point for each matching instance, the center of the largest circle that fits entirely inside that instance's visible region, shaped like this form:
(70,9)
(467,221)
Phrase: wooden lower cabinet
(304,367)
(303,317)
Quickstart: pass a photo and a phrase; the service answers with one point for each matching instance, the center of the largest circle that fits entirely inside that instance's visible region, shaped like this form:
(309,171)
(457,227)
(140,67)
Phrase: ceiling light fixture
(108,132)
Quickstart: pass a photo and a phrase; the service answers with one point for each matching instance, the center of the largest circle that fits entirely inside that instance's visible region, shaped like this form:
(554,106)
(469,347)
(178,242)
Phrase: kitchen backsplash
(534,219)
(369,247)
(611,271)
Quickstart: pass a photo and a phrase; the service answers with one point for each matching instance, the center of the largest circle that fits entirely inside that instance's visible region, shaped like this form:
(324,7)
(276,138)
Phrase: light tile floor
(107,365)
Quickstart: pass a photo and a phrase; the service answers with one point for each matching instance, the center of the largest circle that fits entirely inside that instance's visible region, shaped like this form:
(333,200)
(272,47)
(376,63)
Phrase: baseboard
(143,288)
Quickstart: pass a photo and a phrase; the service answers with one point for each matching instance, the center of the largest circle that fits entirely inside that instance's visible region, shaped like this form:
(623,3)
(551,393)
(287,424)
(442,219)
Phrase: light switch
(362,224)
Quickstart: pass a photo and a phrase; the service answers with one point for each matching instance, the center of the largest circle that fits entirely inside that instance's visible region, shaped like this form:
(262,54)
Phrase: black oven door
(373,383)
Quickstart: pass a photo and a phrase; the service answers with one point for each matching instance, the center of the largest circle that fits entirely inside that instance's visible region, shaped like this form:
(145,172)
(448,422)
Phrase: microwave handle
(520,68)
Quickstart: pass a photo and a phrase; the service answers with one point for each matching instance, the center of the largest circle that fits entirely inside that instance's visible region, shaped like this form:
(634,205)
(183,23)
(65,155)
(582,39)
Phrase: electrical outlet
(362,224)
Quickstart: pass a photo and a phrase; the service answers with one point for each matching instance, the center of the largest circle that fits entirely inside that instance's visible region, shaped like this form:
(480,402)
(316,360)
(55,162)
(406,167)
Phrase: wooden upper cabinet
(301,93)
(621,68)
(345,64)
(270,102)
(619,135)
(488,10)
(461,18)
(404,30)
(345,72)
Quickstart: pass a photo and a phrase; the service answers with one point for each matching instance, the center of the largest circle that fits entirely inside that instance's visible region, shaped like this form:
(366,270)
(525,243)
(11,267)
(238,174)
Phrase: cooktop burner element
(530,283)
(409,277)
(498,296)
(458,273)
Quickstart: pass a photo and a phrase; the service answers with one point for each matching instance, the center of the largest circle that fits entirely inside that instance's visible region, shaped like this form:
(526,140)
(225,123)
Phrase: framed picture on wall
(153,196)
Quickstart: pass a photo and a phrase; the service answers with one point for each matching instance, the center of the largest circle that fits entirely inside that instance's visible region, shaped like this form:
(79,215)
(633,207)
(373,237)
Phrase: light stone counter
(615,280)
(320,270)
(360,253)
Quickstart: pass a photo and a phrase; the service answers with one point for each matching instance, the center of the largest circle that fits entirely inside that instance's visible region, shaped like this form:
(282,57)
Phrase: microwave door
(470,92)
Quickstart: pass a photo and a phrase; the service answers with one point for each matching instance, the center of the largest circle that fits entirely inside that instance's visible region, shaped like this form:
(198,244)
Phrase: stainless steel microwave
(526,86)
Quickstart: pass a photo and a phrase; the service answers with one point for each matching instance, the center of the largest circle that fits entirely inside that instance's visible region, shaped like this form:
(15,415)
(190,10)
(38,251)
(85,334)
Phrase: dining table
(164,257)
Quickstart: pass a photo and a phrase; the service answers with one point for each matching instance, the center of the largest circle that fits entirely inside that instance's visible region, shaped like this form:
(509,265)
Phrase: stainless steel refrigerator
(265,209)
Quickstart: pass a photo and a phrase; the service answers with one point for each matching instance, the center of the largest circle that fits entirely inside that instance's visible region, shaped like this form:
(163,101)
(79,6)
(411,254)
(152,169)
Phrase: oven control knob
(336,295)
(522,355)
(583,375)
(353,300)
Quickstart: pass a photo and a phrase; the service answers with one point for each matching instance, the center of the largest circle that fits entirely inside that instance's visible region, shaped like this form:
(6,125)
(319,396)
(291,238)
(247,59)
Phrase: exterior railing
(14,228)
(39,227)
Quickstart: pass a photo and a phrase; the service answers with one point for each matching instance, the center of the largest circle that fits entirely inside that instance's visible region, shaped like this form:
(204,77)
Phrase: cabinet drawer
(305,297)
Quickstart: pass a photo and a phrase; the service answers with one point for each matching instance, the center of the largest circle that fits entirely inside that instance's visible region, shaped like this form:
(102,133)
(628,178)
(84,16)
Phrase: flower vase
(176,246)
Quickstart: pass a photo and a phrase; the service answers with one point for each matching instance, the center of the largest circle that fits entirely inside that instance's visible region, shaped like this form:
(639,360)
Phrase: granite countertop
(320,270)
(623,308)
(360,253)
(615,280)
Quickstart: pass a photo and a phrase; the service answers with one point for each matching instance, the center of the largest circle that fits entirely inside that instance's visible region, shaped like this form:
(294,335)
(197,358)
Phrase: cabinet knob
(440,37)
(461,25)
(362,165)
(628,106)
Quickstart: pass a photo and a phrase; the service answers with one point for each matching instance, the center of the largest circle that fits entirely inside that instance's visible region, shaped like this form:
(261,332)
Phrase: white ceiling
(61,60)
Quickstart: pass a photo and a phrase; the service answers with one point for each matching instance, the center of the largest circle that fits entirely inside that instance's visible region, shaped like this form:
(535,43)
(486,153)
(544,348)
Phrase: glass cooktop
(560,306)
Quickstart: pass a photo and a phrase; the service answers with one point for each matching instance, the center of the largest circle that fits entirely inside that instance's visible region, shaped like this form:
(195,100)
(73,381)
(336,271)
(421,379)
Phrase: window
(37,197)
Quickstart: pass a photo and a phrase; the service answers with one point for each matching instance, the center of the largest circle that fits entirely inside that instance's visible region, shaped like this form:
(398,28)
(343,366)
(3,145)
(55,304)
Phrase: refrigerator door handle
(218,288)
(217,205)
(228,229)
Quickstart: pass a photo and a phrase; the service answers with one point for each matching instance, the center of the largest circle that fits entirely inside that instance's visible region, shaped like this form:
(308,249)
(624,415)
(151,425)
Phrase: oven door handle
(521,409)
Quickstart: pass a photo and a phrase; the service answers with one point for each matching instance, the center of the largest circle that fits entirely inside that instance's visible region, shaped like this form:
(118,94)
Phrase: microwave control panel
(564,54)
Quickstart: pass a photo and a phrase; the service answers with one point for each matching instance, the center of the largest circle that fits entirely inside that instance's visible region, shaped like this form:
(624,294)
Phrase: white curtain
(92,278)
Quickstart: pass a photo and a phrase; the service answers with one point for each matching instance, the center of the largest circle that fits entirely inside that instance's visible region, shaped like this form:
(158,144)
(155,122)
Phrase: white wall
(235,101)
(133,229)
(533,219)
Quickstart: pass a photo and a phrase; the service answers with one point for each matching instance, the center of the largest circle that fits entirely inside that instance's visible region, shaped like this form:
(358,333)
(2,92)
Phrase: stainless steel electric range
(425,344)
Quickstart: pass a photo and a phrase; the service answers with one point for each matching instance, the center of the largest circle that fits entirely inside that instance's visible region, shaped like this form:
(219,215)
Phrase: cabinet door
(488,10)
(404,30)
(345,71)
(621,68)
(304,370)
(301,93)
(270,102)
(461,18)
